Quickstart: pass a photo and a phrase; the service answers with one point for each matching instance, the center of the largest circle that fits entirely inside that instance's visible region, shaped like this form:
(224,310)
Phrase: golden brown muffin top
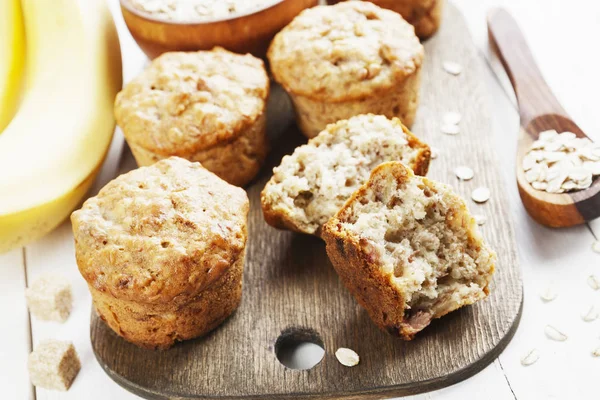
(188,101)
(344,52)
(160,233)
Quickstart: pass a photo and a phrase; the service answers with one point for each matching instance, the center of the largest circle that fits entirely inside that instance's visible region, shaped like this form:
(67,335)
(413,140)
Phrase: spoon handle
(534,96)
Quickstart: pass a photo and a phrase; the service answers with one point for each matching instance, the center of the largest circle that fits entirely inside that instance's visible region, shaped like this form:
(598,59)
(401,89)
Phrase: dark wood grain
(539,111)
(249,33)
(289,282)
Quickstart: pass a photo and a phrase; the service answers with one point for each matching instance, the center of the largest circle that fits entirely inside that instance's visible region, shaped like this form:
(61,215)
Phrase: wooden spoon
(540,111)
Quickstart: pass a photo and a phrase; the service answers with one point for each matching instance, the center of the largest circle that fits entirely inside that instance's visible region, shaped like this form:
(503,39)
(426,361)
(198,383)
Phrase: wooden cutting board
(290,286)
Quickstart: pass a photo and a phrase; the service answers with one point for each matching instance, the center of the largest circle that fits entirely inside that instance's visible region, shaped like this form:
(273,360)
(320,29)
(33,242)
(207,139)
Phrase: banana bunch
(12,53)
(55,143)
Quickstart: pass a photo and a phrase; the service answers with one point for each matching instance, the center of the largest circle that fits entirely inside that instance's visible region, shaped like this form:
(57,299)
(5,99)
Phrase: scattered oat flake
(464,173)
(452,67)
(549,294)
(347,357)
(480,195)
(452,118)
(593,282)
(596,246)
(554,334)
(530,358)
(480,219)
(590,315)
(596,352)
(434,153)
(450,129)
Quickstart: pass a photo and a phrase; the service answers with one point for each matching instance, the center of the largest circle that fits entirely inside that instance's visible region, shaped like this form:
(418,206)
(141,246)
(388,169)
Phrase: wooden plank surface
(16,345)
(290,283)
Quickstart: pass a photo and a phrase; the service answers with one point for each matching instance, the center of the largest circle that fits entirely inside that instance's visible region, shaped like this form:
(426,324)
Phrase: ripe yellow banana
(12,54)
(53,148)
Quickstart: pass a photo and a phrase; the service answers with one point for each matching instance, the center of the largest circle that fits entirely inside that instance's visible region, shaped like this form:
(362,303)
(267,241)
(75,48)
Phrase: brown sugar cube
(53,365)
(49,298)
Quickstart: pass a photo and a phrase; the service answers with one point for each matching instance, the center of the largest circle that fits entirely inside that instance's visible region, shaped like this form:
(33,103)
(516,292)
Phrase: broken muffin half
(313,183)
(408,249)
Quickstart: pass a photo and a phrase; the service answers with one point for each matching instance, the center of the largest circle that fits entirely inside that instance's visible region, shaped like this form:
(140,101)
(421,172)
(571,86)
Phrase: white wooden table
(563,36)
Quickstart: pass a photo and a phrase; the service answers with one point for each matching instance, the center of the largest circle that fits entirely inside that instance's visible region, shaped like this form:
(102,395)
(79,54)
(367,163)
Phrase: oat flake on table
(590,315)
(452,68)
(530,358)
(480,195)
(480,219)
(450,129)
(347,357)
(548,294)
(593,282)
(451,118)
(554,334)
(464,173)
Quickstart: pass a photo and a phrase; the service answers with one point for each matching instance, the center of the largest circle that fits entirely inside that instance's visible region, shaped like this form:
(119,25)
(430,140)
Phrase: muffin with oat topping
(206,106)
(424,15)
(162,250)
(348,59)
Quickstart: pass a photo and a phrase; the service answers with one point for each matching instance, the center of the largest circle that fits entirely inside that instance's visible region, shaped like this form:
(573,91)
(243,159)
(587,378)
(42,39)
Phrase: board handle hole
(299,348)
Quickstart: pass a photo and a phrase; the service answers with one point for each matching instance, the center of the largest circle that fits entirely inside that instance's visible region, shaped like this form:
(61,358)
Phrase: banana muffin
(162,250)
(348,59)
(206,106)
(424,15)
(408,249)
(313,183)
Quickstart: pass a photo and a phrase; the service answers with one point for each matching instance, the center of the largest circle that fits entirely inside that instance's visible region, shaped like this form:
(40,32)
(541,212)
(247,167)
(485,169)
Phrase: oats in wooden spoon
(561,162)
